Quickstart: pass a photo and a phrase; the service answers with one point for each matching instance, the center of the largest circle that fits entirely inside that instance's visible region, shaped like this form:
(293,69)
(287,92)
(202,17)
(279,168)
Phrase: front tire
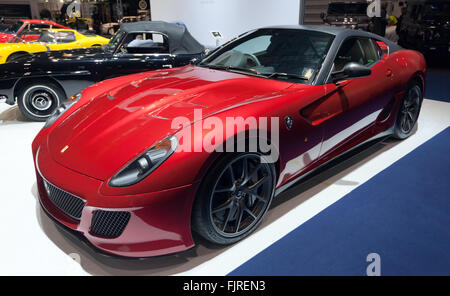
(37,101)
(408,112)
(234,198)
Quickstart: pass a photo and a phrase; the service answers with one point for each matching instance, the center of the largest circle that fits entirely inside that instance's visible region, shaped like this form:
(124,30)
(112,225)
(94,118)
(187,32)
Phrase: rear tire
(408,112)
(37,101)
(232,201)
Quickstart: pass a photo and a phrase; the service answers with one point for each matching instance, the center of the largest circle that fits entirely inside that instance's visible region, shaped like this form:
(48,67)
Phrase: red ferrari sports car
(125,163)
(28,25)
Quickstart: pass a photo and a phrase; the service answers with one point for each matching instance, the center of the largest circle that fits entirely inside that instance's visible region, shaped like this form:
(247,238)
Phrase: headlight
(62,109)
(145,164)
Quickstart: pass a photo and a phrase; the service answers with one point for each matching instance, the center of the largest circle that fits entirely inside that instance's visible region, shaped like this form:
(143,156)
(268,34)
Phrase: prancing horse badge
(288,120)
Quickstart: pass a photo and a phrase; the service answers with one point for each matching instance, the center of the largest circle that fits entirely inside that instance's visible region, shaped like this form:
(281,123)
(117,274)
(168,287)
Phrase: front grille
(69,204)
(109,223)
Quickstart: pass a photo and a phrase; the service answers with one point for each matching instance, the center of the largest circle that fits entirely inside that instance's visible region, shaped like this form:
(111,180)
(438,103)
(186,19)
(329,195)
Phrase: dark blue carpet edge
(438,87)
(402,213)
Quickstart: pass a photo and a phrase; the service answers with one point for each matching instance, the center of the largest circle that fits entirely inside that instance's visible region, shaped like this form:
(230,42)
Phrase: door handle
(388,72)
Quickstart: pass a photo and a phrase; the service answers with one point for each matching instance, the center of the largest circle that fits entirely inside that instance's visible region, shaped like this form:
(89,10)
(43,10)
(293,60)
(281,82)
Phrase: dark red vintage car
(32,26)
(127,164)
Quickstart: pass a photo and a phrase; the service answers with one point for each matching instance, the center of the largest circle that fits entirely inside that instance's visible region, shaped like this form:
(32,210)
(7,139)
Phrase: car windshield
(347,8)
(283,54)
(16,39)
(4,28)
(115,41)
(15,28)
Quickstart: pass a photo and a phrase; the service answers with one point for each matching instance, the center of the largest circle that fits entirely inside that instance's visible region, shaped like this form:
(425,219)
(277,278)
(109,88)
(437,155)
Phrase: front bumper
(156,223)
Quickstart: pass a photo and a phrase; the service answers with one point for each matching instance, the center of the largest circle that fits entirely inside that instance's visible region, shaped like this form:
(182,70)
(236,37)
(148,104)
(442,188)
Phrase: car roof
(180,40)
(340,33)
(324,29)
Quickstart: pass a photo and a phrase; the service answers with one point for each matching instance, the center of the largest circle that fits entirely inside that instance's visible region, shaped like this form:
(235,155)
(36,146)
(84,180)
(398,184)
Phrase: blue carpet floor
(438,86)
(403,214)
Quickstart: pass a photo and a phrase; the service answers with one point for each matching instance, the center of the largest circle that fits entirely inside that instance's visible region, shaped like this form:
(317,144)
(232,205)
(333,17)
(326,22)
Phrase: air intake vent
(69,204)
(386,111)
(109,223)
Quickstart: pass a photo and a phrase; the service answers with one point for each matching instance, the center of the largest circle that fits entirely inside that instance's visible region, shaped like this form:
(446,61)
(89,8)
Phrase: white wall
(230,17)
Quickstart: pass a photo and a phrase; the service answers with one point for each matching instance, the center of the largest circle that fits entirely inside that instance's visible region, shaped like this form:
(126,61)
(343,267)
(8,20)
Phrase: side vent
(386,111)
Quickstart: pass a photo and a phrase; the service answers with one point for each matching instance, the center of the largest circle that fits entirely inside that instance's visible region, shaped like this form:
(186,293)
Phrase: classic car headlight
(145,164)
(62,109)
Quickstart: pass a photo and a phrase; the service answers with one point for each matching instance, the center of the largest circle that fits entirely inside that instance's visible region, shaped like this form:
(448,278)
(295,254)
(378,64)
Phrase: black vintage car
(426,26)
(351,15)
(39,83)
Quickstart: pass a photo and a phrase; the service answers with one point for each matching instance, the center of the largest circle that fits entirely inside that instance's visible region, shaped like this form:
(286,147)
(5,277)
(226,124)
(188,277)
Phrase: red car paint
(5,37)
(103,135)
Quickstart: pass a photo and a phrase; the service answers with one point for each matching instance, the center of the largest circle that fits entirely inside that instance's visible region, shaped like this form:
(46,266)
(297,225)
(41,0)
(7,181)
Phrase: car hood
(108,131)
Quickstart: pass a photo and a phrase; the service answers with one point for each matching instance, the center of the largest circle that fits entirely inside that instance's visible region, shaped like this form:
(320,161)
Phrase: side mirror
(351,70)
(322,15)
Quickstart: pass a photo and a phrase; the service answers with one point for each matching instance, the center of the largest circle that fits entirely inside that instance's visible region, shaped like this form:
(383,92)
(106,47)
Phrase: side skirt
(382,136)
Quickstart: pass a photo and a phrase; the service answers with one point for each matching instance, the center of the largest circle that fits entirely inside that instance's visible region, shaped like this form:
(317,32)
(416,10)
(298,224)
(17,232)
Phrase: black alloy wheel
(235,198)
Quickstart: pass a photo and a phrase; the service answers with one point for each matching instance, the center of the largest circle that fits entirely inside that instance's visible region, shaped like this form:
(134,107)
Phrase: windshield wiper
(232,68)
(254,72)
(286,75)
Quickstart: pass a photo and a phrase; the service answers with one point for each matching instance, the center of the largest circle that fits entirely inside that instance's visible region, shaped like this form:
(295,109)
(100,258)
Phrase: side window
(47,37)
(28,33)
(370,54)
(145,43)
(37,27)
(350,51)
(65,37)
(358,50)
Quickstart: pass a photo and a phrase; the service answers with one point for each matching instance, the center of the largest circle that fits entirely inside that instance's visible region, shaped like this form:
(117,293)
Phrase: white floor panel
(33,245)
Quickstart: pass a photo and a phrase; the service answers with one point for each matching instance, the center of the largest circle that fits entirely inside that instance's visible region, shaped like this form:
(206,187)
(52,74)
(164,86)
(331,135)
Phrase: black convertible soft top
(180,40)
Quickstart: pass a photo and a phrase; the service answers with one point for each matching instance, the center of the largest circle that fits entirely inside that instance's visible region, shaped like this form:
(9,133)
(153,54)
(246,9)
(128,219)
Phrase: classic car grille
(109,223)
(66,202)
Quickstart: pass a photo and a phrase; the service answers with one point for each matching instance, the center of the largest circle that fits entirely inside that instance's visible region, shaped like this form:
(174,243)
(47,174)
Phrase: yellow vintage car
(54,39)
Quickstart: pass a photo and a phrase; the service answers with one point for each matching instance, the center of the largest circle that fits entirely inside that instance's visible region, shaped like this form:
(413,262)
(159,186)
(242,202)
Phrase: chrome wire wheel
(241,195)
(409,110)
